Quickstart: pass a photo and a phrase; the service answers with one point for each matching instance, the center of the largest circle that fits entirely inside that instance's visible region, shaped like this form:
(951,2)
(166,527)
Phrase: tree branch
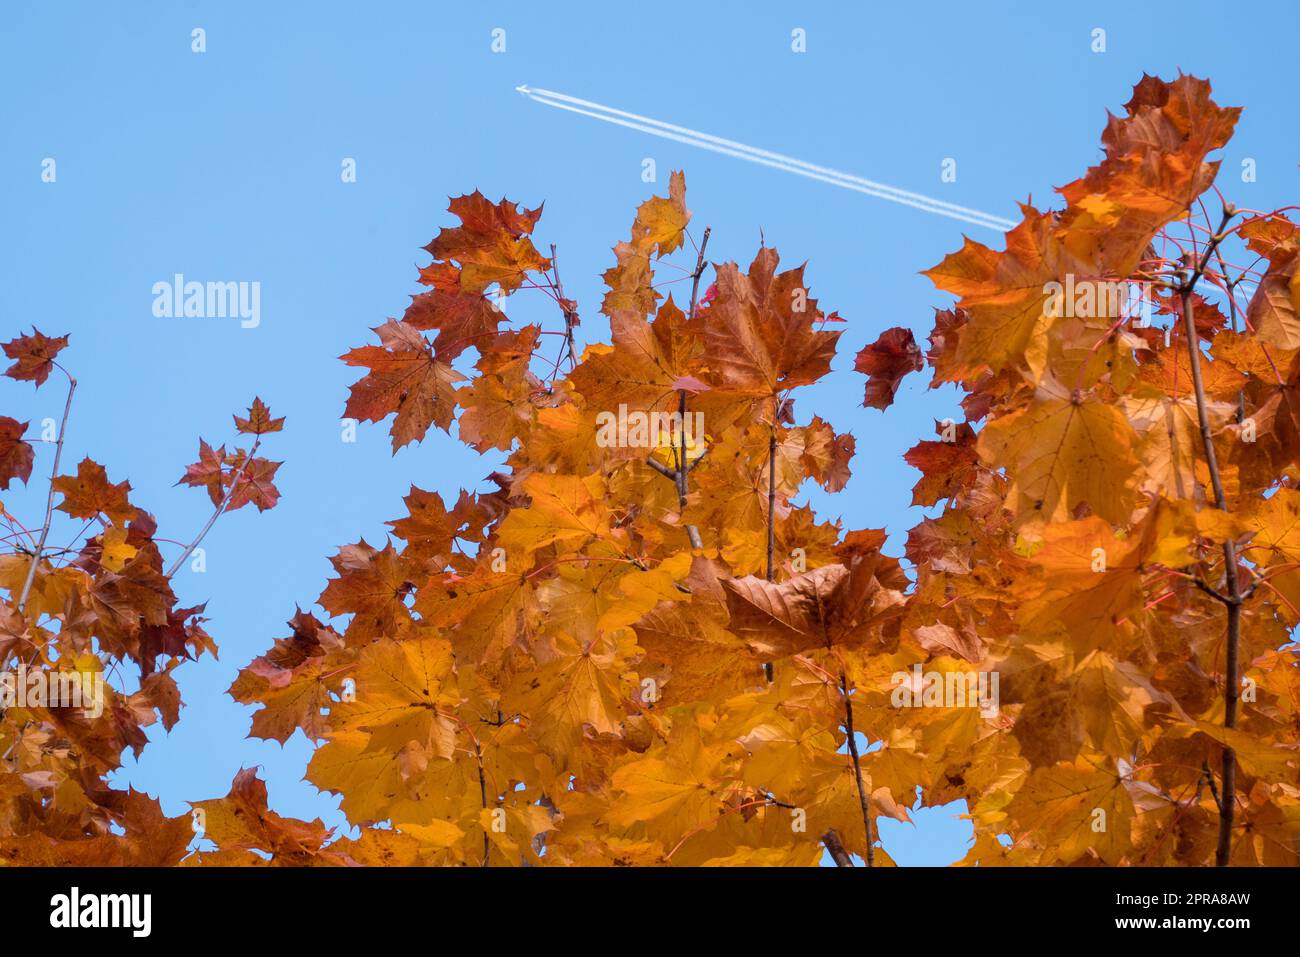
(863,801)
(771,496)
(568,312)
(1213,593)
(1227,804)
(230,492)
(49,499)
(683,468)
(771,511)
(699,271)
(482,789)
(662,469)
(836,847)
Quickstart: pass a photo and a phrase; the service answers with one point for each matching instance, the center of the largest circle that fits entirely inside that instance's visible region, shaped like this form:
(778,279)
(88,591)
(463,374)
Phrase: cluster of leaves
(622,653)
(632,655)
(1118,537)
(644,652)
(106,611)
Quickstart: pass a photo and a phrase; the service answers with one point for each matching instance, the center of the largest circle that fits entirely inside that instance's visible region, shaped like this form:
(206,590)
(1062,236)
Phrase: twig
(662,469)
(1213,593)
(836,847)
(857,769)
(1227,804)
(1214,791)
(482,788)
(683,469)
(679,476)
(230,492)
(568,312)
(771,512)
(771,495)
(49,499)
(699,271)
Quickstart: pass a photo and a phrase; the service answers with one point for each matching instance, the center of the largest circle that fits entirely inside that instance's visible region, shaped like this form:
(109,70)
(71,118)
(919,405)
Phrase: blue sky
(225,165)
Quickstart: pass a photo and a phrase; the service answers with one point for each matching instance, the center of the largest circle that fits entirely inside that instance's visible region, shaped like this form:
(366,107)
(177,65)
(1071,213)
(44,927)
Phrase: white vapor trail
(788,164)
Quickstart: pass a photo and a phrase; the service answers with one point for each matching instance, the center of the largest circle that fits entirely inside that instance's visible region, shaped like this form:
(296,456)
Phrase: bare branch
(662,469)
(49,499)
(699,271)
(863,801)
(239,473)
(836,847)
(569,316)
(1227,803)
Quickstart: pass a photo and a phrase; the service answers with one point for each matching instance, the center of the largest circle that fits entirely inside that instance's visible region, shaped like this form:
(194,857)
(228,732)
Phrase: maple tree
(634,648)
(1116,535)
(643,652)
(101,616)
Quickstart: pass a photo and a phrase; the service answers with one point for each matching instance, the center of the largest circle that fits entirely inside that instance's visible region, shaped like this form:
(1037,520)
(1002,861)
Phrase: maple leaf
(259,421)
(566,510)
(1274,310)
(89,494)
(661,222)
(828,606)
(1064,450)
(252,481)
(671,791)
(16,456)
(410,697)
(948,466)
(431,529)
(759,333)
(209,472)
(35,356)
(372,586)
(491,244)
(1058,803)
(644,368)
(405,378)
(885,362)
(292,681)
(242,821)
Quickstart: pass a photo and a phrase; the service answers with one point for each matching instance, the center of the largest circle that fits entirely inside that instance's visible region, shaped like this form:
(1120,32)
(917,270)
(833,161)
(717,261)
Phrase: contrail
(788,164)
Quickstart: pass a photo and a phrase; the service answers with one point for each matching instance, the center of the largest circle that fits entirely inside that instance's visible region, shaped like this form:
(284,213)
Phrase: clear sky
(225,165)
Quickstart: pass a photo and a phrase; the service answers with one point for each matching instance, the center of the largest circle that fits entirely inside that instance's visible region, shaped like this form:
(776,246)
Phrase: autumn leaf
(759,333)
(89,494)
(405,379)
(885,362)
(491,244)
(16,456)
(35,356)
(259,421)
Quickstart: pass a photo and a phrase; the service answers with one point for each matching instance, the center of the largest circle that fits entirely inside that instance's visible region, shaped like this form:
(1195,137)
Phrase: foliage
(102,616)
(635,648)
(643,652)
